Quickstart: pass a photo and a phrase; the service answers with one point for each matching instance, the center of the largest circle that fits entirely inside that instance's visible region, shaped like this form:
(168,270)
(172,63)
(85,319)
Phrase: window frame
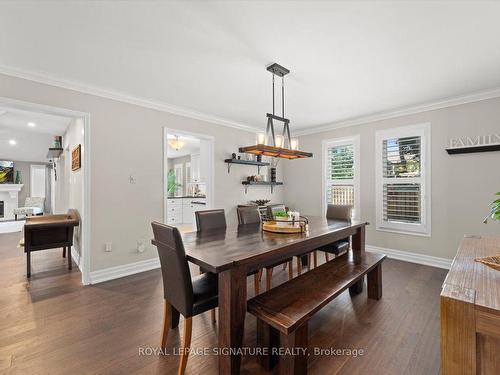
(424,228)
(335,142)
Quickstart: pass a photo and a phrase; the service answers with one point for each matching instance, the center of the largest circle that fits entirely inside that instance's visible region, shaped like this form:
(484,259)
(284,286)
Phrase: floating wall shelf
(471,149)
(260,183)
(245,162)
(54,152)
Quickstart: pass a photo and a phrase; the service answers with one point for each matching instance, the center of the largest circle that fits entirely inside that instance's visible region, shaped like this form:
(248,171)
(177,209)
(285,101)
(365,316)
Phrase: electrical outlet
(108,246)
(140,246)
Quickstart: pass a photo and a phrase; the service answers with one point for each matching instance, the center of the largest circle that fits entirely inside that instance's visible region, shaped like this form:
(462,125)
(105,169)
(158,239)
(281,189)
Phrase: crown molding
(404,111)
(48,79)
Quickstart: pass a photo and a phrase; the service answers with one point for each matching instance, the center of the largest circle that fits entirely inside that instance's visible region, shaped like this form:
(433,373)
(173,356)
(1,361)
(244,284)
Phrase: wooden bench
(283,312)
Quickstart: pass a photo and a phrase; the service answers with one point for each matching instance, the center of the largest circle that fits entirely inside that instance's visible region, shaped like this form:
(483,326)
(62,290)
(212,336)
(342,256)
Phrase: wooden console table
(470,311)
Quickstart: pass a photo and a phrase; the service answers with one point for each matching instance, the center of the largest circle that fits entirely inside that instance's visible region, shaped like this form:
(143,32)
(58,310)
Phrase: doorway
(188,175)
(49,171)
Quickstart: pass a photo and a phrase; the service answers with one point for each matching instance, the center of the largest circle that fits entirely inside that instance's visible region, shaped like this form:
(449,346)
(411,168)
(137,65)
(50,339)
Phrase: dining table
(236,251)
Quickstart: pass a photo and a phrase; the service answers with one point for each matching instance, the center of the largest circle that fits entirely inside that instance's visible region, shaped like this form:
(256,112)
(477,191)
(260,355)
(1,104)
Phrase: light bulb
(279,141)
(261,138)
(294,144)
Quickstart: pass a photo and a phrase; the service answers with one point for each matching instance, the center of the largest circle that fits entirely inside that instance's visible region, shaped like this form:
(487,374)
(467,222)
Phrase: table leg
(232,311)
(358,249)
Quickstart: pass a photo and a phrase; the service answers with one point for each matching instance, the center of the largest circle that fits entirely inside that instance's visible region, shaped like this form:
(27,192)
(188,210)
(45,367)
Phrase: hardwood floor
(53,325)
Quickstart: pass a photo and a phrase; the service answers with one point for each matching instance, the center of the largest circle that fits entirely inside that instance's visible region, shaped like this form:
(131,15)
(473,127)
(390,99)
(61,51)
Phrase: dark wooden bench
(283,312)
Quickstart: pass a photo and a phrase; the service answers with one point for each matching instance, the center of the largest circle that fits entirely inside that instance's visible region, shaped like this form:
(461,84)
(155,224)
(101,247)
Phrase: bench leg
(357,287)
(294,345)
(28,264)
(375,283)
(70,263)
(64,252)
(268,339)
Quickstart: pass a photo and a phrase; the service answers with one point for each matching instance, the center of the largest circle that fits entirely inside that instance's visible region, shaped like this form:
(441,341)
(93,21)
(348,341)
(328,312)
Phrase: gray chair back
(339,212)
(210,219)
(248,215)
(177,283)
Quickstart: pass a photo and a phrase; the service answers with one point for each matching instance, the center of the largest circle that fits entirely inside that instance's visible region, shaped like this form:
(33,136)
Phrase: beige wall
(462,185)
(127,140)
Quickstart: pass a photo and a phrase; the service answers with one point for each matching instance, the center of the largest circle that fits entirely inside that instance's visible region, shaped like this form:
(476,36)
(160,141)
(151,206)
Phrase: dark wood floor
(53,325)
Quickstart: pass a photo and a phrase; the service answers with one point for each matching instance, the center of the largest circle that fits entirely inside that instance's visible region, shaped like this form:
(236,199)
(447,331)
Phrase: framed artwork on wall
(76,158)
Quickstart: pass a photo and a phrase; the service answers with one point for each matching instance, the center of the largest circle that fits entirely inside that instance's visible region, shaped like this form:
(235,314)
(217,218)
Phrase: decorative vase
(18,179)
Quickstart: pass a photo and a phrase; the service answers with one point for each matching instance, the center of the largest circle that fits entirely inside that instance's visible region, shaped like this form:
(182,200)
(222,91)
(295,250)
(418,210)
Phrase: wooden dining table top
(218,250)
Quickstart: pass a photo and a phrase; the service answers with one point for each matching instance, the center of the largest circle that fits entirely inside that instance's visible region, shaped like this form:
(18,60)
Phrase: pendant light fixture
(176,144)
(270,143)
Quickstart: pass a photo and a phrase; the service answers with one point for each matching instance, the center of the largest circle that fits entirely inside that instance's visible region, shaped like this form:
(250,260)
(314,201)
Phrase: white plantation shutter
(401,180)
(341,174)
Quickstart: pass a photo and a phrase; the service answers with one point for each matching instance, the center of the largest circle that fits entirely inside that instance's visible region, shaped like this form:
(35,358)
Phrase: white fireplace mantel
(12,189)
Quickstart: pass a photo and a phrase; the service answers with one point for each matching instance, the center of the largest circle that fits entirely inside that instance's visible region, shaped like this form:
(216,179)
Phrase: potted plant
(495,210)
(282,215)
(172,186)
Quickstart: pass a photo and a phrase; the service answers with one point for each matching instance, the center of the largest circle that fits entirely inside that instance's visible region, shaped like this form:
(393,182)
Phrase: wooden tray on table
(284,226)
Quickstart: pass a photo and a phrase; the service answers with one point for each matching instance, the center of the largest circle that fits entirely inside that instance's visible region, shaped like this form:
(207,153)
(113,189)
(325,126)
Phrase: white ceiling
(32,143)
(347,59)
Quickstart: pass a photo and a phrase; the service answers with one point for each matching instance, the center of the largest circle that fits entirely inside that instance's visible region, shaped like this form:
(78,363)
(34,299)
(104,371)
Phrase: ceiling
(347,59)
(32,143)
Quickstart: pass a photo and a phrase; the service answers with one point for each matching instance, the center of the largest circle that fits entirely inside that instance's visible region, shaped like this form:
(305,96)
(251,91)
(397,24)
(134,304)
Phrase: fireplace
(1,209)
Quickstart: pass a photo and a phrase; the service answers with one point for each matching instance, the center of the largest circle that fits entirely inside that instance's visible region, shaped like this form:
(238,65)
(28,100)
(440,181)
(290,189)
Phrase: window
(403,180)
(341,171)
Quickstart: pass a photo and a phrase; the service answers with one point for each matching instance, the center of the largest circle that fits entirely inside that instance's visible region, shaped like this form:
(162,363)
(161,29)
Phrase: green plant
(495,210)
(280,214)
(172,186)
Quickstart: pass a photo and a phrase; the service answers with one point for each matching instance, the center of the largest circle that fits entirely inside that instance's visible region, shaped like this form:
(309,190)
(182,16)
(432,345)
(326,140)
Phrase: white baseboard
(412,257)
(124,270)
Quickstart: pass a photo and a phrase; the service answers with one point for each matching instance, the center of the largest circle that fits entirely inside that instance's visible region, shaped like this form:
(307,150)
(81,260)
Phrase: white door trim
(85,259)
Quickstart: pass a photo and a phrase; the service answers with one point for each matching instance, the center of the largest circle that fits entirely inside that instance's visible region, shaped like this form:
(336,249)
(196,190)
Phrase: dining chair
(251,215)
(336,212)
(216,219)
(189,296)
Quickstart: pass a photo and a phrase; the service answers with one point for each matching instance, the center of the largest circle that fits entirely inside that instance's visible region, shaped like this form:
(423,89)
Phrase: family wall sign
(478,143)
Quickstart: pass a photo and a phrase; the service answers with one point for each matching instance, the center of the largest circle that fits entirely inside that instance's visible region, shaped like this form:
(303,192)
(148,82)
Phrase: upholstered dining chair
(189,296)
(251,215)
(216,219)
(336,212)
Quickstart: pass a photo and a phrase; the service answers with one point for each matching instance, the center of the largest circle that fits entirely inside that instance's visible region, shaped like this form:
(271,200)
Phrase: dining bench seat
(284,311)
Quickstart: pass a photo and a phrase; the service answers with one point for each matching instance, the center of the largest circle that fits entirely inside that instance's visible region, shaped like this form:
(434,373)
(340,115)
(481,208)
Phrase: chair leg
(188,329)
(290,270)
(212,315)
(70,263)
(166,323)
(299,265)
(327,257)
(15,217)
(309,261)
(64,252)
(28,264)
(315,259)
(269,278)
(256,283)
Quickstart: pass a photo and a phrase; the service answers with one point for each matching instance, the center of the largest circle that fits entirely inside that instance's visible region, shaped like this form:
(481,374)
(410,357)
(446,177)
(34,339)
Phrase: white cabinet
(174,211)
(187,211)
(195,168)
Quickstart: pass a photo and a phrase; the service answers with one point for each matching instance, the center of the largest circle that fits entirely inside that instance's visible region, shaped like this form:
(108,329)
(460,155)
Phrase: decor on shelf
(272,174)
(478,143)
(18,179)
(176,143)
(494,211)
(6,172)
(58,141)
(76,158)
(281,145)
